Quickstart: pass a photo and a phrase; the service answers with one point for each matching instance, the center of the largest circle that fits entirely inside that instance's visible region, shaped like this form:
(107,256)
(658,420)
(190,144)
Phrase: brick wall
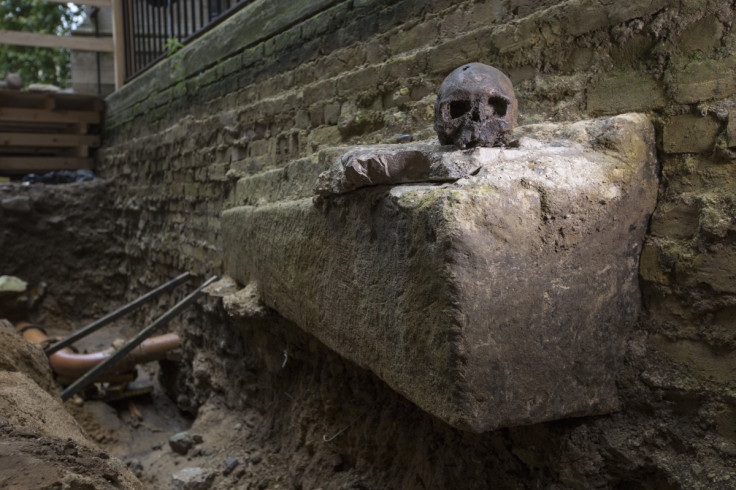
(253,95)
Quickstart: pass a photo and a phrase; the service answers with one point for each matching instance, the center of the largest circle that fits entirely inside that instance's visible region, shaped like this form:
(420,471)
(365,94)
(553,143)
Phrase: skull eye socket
(459,108)
(499,105)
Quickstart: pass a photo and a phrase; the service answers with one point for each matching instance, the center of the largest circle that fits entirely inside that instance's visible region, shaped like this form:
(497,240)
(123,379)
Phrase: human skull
(475,106)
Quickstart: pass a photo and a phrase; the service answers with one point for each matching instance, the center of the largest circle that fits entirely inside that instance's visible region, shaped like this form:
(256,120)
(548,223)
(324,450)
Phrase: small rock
(43,87)
(230,465)
(192,479)
(18,204)
(11,285)
(136,467)
(728,448)
(255,459)
(181,443)
(13,81)
(70,449)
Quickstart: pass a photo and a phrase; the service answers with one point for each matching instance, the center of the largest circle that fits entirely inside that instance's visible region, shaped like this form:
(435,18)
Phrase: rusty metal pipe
(70,365)
(144,334)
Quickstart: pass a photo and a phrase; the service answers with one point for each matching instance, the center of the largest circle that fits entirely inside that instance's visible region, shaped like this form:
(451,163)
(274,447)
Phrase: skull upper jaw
(478,126)
(488,133)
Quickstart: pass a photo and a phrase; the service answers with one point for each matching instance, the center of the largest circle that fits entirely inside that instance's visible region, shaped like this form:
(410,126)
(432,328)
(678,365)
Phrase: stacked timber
(45,131)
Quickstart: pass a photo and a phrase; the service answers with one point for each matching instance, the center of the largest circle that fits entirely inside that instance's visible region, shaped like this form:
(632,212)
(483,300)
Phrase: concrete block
(500,299)
(690,133)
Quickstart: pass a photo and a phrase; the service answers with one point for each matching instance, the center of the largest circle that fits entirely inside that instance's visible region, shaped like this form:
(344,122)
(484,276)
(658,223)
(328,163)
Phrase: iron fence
(154,27)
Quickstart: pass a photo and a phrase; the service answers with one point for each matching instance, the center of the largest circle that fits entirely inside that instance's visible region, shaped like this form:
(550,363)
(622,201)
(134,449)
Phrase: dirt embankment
(60,239)
(41,445)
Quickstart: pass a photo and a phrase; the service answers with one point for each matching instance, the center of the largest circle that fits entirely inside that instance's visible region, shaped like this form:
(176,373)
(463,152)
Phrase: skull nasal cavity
(499,105)
(459,108)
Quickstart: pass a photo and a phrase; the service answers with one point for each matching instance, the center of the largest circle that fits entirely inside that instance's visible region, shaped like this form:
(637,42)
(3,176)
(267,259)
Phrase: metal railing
(152,28)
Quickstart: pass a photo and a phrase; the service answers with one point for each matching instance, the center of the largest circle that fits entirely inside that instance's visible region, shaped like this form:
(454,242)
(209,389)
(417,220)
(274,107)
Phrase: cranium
(475,106)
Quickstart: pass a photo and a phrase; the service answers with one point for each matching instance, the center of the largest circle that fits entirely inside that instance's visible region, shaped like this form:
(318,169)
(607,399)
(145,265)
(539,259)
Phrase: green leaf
(36,65)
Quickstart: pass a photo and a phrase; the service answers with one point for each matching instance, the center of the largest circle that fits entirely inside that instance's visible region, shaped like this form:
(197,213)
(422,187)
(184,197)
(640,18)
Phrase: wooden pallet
(44,131)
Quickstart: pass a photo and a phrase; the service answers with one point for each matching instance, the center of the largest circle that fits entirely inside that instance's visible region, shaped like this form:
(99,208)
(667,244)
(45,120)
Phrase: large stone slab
(500,299)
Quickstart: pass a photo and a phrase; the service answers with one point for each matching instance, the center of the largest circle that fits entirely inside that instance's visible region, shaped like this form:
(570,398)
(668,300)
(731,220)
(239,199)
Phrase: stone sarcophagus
(492,287)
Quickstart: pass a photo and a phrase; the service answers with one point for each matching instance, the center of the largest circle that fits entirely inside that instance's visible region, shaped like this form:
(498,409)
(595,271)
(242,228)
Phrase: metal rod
(111,317)
(187,29)
(136,25)
(161,321)
(127,38)
(160,30)
(201,15)
(147,30)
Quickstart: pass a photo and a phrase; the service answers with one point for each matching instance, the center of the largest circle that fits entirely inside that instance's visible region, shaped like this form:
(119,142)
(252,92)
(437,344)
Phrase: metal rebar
(161,321)
(111,317)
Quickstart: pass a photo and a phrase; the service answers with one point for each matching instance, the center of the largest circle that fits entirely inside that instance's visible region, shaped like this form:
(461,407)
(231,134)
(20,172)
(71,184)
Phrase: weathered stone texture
(467,297)
(690,133)
(705,80)
(625,92)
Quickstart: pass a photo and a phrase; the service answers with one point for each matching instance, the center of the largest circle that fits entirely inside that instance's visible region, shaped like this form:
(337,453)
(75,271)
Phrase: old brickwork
(364,71)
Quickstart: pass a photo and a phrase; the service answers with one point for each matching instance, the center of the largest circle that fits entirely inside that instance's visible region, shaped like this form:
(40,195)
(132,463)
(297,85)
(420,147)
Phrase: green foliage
(174,46)
(36,65)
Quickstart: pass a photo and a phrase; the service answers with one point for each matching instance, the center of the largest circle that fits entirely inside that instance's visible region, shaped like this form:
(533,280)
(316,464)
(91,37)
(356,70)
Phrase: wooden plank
(46,100)
(13,114)
(26,165)
(48,140)
(81,43)
(92,3)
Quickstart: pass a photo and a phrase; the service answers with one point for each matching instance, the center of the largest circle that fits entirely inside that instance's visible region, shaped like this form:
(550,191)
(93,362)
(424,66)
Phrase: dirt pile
(41,444)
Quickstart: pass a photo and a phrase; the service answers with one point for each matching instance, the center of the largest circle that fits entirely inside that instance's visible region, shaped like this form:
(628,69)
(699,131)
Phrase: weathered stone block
(676,220)
(705,80)
(413,38)
(500,299)
(625,92)
(704,36)
(690,133)
(394,164)
(651,268)
(717,268)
